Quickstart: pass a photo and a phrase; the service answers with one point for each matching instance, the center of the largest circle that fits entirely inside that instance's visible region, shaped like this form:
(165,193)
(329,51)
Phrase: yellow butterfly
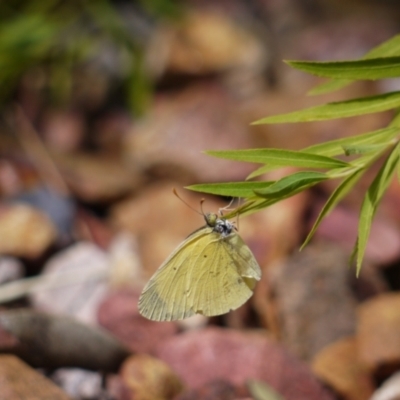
(210,273)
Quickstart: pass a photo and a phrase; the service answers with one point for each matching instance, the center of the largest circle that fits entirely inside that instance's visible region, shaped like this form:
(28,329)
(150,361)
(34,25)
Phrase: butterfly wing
(243,259)
(207,274)
(229,277)
(165,296)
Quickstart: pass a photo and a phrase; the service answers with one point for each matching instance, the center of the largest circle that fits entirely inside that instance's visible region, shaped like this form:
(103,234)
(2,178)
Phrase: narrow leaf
(354,252)
(280,158)
(292,184)
(231,189)
(341,109)
(328,87)
(261,171)
(370,69)
(364,227)
(335,147)
(398,172)
(367,148)
(396,120)
(389,48)
(371,201)
(338,194)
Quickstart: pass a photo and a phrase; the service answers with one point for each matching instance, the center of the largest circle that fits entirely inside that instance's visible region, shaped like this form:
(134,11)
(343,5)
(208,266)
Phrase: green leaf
(341,109)
(291,184)
(364,227)
(398,172)
(354,252)
(385,174)
(262,170)
(262,391)
(335,147)
(233,189)
(278,157)
(396,119)
(338,194)
(329,86)
(371,201)
(370,69)
(363,149)
(387,49)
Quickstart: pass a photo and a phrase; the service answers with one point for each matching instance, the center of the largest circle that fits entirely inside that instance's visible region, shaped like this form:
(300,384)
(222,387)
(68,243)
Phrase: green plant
(56,38)
(381,62)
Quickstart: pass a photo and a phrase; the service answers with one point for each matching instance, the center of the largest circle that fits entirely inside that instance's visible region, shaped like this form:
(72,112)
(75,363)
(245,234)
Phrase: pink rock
(341,227)
(119,314)
(236,356)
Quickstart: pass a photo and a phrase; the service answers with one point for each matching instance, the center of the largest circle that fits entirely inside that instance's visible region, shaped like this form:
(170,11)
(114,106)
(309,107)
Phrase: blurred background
(106,106)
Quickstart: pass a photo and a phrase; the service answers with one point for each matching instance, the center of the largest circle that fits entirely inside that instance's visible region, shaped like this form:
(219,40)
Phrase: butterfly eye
(211,219)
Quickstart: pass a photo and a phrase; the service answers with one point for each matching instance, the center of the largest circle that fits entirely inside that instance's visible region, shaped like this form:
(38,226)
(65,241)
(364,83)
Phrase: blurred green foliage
(52,39)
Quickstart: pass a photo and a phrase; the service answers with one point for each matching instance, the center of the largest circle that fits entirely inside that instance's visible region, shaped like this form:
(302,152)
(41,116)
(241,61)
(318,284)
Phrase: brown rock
(63,131)
(19,381)
(48,341)
(204,42)
(11,183)
(25,231)
(149,379)
(170,142)
(378,332)
(338,366)
(209,354)
(96,178)
(119,314)
(314,296)
(328,39)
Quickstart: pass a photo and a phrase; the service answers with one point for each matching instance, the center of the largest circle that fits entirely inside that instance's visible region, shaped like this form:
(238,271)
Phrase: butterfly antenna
(184,202)
(201,206)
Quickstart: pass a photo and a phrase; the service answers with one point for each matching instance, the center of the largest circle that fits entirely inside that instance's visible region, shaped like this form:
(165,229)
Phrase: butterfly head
(211,219)
(220,225)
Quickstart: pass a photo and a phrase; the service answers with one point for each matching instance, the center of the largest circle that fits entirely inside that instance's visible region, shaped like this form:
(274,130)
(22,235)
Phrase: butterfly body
(210,273)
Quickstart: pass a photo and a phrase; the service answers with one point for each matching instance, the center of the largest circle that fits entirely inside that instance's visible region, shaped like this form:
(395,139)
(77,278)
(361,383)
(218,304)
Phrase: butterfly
(210,273)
